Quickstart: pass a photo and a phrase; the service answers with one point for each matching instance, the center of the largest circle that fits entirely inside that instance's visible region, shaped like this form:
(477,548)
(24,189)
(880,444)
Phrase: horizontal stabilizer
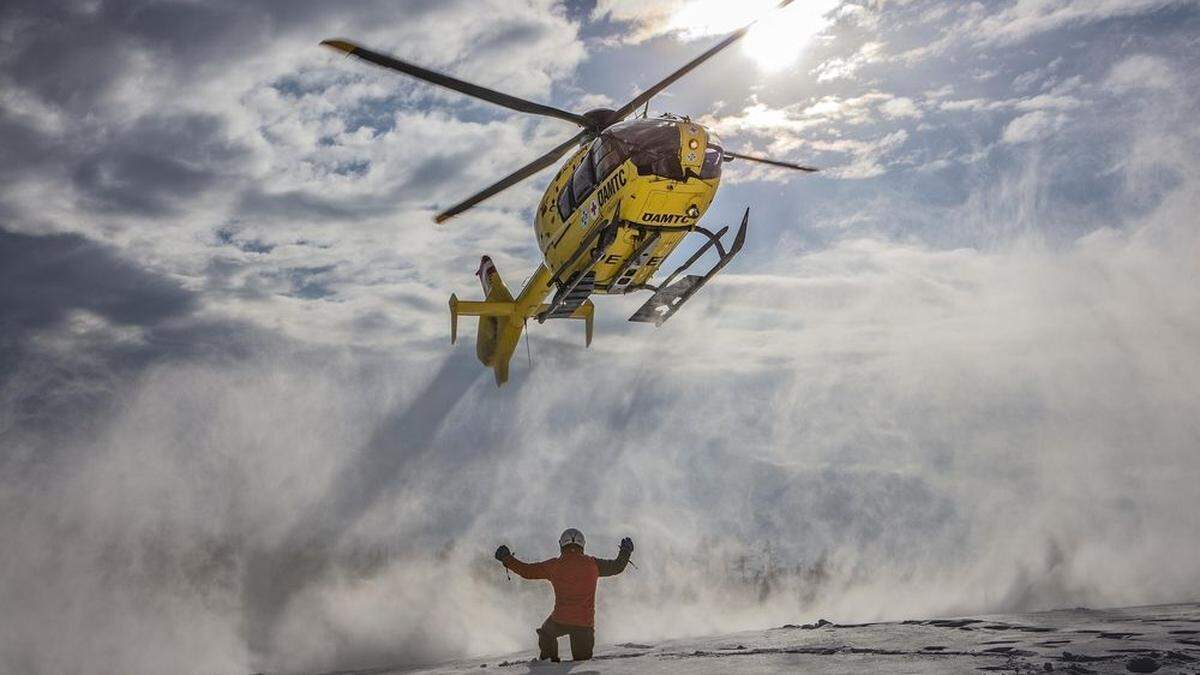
(585,312)
(475,308)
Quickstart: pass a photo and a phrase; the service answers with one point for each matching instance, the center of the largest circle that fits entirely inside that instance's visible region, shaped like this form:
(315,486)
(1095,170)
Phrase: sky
(955,372)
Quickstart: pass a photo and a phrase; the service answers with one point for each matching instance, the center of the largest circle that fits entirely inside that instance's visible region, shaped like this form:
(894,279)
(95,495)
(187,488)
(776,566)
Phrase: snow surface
(1164,639)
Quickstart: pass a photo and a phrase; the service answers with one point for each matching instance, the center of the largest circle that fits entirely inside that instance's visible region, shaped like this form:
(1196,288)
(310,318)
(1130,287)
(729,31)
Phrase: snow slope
(1164,639)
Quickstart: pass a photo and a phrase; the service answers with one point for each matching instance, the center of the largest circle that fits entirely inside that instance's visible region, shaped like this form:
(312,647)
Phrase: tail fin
(493,286)
(499,326)
(500,322)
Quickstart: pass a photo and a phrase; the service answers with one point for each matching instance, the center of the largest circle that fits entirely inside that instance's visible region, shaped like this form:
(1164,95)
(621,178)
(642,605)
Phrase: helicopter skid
(669,297)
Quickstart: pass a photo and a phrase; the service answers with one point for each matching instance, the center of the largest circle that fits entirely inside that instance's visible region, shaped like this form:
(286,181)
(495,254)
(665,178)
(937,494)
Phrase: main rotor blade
(650,93)
(490,95)
(772,162)
(513,178)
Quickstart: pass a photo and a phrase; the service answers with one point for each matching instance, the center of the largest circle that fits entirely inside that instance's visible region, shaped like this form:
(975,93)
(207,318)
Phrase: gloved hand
(503,553)
(626,545)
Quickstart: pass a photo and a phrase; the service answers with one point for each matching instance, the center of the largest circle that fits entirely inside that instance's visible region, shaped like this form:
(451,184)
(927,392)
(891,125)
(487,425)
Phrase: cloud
(631,11)
(775,40)
(932,29)
(46,278)
(1034,126)
(1035,103)
(1026,18)
(806,116)
(1141,71)
(823,126)
(867,156)
(1027,80)
(847,68)
(900,108)
(188,121)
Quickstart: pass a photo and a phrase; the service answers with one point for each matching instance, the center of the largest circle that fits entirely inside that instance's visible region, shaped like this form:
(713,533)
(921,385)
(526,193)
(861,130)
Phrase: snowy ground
(1164,639)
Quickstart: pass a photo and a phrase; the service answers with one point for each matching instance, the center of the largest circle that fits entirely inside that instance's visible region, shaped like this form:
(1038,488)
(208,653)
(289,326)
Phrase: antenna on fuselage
(528,351)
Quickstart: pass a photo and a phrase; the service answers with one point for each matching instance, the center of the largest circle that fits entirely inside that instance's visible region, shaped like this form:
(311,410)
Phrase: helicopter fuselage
(640,179)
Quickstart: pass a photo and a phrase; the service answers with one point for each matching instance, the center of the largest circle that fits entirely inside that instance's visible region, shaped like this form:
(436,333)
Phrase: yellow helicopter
(631,191)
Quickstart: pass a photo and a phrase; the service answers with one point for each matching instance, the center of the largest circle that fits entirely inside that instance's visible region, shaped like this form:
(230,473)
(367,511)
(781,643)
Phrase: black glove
(626,545)
(503,553)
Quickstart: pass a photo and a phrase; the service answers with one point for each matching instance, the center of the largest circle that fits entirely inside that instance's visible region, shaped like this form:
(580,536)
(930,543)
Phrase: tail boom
(502,318)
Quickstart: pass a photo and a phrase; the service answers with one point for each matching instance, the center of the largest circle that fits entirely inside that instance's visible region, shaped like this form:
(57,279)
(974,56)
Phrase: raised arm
(608,568)
(525,570)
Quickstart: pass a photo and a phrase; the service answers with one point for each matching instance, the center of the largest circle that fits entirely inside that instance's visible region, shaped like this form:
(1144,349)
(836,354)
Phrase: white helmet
(571,536)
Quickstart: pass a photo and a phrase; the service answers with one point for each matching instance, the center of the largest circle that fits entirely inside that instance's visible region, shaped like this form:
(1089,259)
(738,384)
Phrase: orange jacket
(573,576)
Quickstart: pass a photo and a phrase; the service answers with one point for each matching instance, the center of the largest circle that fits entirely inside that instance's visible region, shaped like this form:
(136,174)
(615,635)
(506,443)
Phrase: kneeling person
(573,576)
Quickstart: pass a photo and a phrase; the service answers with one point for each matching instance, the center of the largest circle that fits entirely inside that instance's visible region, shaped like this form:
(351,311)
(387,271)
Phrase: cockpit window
(653,145)
(583,181)
(712,161)
(565,207)
(607,154)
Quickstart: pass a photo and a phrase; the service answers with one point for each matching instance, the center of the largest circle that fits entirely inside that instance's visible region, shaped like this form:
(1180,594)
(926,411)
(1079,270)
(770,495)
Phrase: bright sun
(774,42)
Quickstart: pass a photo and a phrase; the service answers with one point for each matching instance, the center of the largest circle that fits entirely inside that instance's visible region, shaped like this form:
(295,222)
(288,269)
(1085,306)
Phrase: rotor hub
(601,118)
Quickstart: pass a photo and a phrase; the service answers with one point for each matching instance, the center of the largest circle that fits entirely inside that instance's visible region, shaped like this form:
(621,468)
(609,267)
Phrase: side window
(565,207)
(712,162)
(607,156)
(583,181)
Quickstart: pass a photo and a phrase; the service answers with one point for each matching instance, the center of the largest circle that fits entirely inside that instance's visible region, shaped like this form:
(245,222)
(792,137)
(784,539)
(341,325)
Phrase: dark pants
(582,640)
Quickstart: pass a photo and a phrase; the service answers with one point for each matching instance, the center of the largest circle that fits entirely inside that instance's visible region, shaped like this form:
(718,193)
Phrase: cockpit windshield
(713,156)
(653,145)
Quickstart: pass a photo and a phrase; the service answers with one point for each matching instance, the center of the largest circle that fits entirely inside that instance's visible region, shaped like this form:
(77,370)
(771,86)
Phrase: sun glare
(774,43)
